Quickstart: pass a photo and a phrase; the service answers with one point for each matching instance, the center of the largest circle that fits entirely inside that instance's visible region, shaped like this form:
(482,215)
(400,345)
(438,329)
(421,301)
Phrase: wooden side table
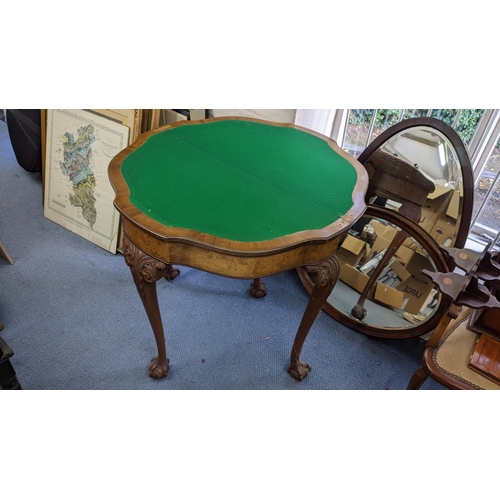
(236,197)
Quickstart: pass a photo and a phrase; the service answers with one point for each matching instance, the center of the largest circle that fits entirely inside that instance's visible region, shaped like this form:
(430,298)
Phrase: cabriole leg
(328,273)
(146,271)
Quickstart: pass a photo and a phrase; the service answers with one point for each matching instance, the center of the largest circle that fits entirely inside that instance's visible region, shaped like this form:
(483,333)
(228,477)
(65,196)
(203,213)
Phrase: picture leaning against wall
(78,194)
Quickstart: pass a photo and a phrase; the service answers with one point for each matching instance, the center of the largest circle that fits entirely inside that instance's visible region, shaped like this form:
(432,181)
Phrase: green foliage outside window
(467,123)
(465,127)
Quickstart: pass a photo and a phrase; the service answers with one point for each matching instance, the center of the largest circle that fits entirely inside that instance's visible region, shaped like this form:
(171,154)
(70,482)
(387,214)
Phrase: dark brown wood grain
(486,358)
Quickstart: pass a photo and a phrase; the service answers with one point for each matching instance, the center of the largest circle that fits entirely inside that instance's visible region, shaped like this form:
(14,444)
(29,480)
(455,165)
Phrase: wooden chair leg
(419,377)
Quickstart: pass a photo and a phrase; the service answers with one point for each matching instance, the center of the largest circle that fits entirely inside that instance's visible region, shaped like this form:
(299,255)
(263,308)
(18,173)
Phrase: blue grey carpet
(74,319)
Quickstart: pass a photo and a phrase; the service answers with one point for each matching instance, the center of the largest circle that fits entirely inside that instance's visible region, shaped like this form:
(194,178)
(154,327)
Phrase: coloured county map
(77,157)
(78,194)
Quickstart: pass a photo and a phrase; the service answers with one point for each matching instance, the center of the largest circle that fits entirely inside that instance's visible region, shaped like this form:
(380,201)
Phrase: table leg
(258,288)
(328,273)
(146,271)
(172,272)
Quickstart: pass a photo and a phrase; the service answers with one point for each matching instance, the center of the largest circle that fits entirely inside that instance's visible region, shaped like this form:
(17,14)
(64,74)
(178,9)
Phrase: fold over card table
(240,198)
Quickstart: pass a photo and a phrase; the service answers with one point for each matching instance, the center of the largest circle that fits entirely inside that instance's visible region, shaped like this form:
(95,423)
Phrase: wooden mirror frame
(415,231)
(463,158)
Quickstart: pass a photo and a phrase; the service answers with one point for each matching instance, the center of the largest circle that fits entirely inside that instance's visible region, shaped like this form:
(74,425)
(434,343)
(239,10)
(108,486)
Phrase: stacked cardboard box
(446,227)
(440,214)
(354,252)
(388,296)
(402,284)
(412,290)
(353,277)
(416,287)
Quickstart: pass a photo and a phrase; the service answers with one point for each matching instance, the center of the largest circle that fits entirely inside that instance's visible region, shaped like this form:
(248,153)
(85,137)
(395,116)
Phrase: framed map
(78,194)
(131,118)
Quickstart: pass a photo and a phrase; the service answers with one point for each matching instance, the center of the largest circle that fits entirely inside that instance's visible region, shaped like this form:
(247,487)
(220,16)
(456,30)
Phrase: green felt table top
(239,180)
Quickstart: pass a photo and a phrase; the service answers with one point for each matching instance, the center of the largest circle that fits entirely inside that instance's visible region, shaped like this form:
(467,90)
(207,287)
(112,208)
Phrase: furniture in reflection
(393,178)
(237,197)
(451,346)
(309,277)
(8,377)
(437,153)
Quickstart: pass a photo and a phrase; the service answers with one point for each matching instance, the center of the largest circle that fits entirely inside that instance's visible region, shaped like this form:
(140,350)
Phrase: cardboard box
(402,272)
(454,205)
(378,226)
(404,255)
(444,231)
(417,286)
(389,232)
(418,262)
(435,204)
(411,244)
(380,244)
(354,278)
(415,291)
(388,296)
(352,251)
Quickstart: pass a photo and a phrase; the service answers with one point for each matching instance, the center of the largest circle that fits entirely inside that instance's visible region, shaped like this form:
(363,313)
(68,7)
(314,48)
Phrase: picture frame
(78,195)
(132,118)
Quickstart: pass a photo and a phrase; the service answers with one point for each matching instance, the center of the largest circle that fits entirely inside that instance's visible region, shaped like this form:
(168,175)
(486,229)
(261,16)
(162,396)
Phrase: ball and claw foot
(158,369)
(299,371)
(258,289)
(358,312)
(172,272)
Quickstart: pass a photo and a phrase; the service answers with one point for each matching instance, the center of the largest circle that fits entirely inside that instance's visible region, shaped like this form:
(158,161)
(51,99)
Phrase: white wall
(275,115)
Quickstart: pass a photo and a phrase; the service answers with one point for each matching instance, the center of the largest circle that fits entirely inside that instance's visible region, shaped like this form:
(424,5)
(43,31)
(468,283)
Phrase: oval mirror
(420,196)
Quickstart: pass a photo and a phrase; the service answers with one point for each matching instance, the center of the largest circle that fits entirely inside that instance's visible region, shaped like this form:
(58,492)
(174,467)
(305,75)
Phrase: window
(364,125)
(479,130)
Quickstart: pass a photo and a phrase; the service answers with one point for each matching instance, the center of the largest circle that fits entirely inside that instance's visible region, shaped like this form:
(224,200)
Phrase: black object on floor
(25,136)
(8,378)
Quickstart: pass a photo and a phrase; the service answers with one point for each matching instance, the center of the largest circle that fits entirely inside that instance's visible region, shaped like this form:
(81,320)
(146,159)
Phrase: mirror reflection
(417,173)
(431,153)
(401,296)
